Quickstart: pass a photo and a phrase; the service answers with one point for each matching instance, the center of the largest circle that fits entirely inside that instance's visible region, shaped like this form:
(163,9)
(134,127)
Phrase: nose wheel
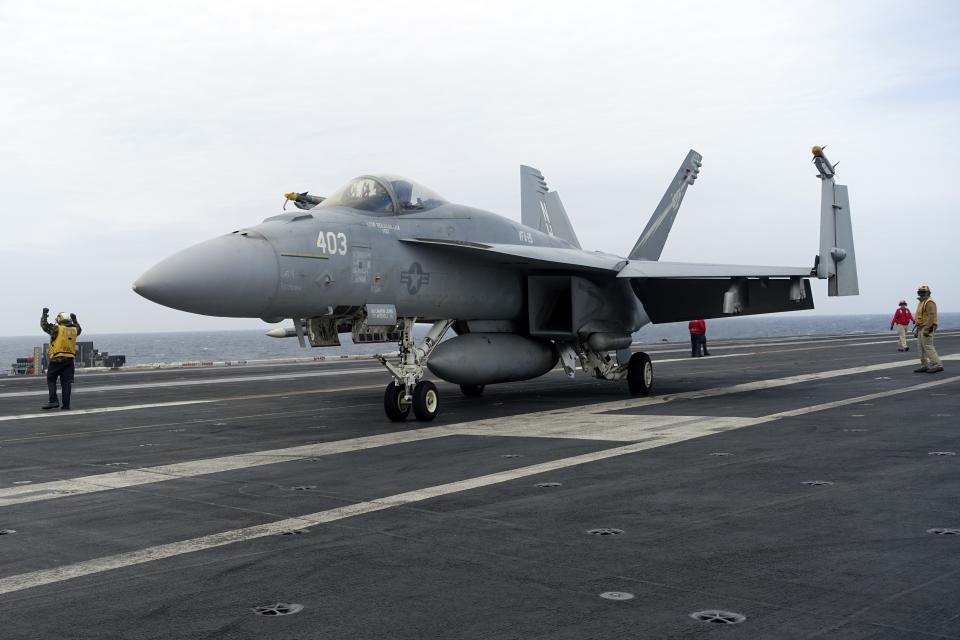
(425,401)
(395,402)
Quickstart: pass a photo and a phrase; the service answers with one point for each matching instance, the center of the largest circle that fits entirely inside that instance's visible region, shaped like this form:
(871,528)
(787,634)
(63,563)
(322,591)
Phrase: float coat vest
(926,315)
(65,344)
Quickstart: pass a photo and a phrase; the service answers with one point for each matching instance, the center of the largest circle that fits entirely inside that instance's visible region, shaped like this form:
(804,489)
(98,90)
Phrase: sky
(133,130)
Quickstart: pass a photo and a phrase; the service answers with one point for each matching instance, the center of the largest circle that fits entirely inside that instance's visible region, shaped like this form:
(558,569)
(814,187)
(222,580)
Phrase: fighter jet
(384,253)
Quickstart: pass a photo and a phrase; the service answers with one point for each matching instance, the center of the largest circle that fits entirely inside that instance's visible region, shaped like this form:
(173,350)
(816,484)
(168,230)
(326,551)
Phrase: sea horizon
(159,347)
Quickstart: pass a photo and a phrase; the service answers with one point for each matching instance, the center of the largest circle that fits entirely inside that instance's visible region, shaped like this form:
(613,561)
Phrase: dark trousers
(63,369)
(698,345)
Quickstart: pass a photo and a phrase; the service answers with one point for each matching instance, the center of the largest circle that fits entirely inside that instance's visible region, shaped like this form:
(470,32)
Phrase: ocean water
(149,348)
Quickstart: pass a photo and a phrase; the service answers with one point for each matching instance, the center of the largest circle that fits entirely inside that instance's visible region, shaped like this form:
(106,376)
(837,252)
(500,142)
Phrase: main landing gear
(640,374)
(636,367)
(408,389)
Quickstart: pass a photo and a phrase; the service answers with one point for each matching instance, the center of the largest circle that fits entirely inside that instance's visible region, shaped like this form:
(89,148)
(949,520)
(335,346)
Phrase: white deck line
(349,372)
(14,583)
(202,381)
(583,420)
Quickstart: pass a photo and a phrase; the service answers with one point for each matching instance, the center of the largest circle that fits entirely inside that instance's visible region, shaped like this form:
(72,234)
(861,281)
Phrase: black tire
(640,374)
(472,390)
(397,410)
(426,401)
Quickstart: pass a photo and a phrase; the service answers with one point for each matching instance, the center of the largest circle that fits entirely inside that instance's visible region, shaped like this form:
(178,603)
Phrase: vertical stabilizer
(650,244)
(837,262)
(533,189)
(541,208)
(559,220)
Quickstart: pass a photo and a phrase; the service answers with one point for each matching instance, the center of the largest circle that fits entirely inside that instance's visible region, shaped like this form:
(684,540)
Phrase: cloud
(133,130)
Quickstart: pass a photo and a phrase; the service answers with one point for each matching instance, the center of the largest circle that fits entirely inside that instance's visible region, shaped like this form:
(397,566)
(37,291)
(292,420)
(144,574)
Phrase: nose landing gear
(395,402)
(408,389)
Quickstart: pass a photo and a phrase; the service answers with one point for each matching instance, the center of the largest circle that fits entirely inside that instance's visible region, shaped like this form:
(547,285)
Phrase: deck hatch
(716,616)
(605,531)
(279,609)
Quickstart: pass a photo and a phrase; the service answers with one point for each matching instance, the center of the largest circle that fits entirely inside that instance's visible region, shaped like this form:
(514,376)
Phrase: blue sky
(132,130)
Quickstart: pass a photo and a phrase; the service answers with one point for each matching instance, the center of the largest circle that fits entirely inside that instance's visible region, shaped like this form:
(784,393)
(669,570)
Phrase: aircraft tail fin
(558,218)
(542,209)
(837,262)
(650,244)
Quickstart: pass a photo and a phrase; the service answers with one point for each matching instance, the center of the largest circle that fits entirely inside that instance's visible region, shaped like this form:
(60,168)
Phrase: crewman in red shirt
(901,318)
(698,338)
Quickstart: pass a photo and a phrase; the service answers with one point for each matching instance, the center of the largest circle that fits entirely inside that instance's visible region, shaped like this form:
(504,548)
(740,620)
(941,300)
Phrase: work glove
(891,327)
(73,317)
(46,311)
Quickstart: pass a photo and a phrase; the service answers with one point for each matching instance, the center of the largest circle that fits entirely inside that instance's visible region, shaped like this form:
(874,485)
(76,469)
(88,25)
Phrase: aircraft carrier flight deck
(780,488)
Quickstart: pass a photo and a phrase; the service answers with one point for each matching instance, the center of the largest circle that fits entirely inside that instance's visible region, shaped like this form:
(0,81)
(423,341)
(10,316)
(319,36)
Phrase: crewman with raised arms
(60,356)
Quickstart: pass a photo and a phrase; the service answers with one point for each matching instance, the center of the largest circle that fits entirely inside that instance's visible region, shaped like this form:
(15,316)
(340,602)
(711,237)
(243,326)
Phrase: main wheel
(426,401)
(394,404)
(472,390)
(640,374)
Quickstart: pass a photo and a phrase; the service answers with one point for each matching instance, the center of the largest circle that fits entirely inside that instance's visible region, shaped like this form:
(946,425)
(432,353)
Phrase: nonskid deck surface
(792,481)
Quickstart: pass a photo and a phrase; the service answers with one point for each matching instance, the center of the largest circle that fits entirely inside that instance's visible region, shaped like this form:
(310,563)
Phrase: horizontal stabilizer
(650,244)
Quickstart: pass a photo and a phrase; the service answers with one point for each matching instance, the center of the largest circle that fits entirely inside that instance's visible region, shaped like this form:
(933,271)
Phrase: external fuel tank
(488,358)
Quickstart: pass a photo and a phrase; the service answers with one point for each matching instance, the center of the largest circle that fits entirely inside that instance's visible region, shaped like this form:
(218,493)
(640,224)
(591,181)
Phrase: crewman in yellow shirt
(60,356)
(926,323)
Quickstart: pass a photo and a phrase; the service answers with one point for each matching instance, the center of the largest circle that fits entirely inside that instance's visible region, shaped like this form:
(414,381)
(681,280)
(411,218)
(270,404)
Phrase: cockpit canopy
(384,195)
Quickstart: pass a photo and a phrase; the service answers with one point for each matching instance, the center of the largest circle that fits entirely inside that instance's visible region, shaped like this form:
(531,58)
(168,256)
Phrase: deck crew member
(926,323)
(698,338)
(901,318)
(60,356)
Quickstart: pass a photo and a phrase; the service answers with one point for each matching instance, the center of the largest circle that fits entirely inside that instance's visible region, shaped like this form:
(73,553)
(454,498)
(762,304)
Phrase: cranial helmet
(63,317)
(923,290)
(903,302)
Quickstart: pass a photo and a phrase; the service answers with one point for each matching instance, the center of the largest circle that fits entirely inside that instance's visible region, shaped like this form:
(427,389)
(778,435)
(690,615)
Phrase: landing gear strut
(408,389)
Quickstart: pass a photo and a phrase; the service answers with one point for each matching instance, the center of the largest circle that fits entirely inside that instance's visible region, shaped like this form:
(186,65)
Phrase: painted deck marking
(94,566)
(776,382)
(819,344)
(202,381)
(177,403)
(593,422)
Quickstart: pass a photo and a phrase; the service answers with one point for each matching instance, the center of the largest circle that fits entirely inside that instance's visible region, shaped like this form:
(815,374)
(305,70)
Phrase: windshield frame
(383,184)
(387,183)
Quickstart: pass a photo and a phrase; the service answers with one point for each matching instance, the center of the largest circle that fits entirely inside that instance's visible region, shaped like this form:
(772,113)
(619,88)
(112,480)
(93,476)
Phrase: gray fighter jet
(384,253)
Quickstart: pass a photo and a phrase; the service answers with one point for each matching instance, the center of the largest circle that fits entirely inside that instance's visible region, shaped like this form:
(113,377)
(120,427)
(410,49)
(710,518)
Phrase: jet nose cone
(232,276)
